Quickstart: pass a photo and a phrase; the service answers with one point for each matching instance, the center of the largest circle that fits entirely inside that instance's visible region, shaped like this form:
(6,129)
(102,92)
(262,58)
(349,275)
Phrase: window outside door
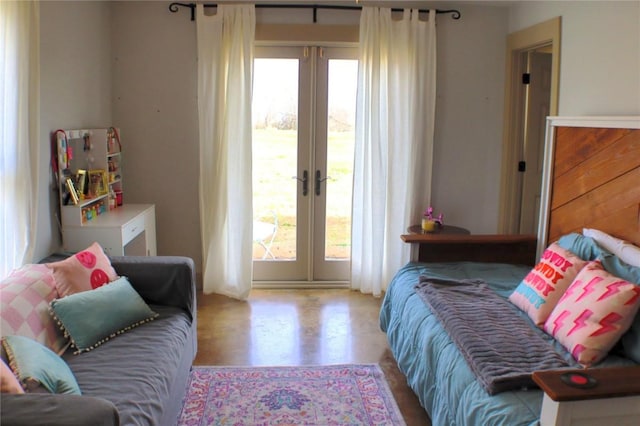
(303,140)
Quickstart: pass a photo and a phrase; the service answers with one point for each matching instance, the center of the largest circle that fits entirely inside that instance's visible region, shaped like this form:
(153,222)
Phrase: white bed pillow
(626,251)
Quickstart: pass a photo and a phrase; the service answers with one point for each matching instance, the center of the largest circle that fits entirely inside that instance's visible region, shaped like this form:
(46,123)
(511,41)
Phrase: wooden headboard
(591,178)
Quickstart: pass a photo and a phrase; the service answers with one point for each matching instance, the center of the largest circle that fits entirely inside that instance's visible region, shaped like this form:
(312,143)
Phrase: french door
(303,138)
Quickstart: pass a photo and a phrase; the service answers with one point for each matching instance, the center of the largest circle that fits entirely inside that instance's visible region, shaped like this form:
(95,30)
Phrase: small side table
(615,398)
(444,230)
(455,244)
(425,251)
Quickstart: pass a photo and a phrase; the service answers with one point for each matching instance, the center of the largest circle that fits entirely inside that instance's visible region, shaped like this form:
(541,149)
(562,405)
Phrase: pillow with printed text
(541,289)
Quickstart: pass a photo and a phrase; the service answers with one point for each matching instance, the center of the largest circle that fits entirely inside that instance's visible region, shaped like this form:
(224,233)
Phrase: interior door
(537,106)
(303,116)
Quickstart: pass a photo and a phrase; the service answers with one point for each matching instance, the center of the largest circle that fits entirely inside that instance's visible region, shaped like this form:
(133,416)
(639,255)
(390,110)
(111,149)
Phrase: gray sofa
(136,378)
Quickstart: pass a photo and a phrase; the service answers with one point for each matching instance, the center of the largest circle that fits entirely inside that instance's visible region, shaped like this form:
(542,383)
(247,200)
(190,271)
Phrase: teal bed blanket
(434,367)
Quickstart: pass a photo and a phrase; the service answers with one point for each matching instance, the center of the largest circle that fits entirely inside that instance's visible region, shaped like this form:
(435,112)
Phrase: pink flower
(428,213)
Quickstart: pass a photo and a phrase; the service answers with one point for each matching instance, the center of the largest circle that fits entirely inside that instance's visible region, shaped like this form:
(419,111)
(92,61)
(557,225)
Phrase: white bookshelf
(94,215)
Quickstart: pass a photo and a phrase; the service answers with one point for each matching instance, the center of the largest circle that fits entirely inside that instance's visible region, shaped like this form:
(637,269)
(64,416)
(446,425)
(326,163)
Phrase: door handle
(319,181)
(305,182)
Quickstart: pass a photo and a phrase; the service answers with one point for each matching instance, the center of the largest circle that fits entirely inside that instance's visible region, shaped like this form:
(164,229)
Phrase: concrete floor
(301,327)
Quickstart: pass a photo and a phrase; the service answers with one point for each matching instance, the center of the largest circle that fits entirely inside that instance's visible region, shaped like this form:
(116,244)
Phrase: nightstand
(613,399)
(454,244)
(443,230)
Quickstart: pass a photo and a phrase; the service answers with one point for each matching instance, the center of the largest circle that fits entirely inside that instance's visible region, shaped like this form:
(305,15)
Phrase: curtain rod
(174,7)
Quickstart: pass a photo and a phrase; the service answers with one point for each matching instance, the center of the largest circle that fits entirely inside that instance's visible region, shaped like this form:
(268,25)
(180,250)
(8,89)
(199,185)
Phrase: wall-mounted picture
(98,182)
(81,183)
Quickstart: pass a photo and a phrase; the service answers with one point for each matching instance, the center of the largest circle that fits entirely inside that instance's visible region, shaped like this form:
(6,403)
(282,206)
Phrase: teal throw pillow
(587,248)
(31,361)
(616,266)
(90,318)
(584,247)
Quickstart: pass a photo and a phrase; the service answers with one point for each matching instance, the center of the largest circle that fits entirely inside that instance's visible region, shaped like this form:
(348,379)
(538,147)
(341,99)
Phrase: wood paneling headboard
(591,178)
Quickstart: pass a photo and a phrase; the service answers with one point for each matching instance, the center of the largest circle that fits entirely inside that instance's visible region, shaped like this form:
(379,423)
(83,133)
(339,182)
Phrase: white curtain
(394,141)
(19,131)
(225,66)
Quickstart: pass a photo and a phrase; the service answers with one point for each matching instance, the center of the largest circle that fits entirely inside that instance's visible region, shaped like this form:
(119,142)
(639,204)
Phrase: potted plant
(429,223)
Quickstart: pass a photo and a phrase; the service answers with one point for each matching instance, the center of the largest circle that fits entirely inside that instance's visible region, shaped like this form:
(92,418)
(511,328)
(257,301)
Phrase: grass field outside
(275,190)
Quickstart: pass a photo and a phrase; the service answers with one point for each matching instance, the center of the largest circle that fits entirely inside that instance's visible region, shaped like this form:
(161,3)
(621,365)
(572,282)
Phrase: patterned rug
(355,394)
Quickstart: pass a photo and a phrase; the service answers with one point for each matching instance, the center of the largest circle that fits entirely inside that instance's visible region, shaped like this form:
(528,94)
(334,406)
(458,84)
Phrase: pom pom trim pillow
(8,381)
(24,306)
(30,361)
(593,314)
(84,271)
(541,289)
(91,318)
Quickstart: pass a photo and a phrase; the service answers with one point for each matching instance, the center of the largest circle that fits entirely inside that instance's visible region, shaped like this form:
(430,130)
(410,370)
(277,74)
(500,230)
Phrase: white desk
(128,230)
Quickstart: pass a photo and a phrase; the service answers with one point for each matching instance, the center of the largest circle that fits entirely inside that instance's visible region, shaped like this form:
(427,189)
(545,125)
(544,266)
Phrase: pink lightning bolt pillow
(541,289)
(594,312)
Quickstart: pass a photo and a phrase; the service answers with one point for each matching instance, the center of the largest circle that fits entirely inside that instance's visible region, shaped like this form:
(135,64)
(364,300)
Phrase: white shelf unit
(128,229)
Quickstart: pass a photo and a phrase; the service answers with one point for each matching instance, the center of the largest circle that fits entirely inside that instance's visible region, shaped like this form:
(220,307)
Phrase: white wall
(600,53)
(133,65)
(469,108)
(75,91)
(155,105)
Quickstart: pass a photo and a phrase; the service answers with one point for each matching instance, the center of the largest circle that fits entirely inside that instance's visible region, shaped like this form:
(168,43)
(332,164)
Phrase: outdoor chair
(264,233)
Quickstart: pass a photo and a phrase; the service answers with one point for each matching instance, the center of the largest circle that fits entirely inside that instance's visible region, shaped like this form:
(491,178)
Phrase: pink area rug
(356,394)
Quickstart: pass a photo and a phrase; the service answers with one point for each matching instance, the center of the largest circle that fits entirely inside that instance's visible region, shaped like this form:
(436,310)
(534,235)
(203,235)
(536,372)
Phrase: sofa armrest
(161,280)
(52,410)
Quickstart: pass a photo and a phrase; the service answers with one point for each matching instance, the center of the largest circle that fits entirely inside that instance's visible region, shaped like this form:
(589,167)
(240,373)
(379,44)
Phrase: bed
(591,179)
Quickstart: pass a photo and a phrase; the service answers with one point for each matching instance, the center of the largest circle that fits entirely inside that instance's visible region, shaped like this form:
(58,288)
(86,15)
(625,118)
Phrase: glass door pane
(303,131)
(334,143)
(340,145)
(275,154)
(281,140)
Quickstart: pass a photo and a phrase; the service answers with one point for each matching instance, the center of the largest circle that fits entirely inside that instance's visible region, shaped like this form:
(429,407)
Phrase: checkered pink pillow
(24,298)
(541,289)
(85,270)
(594,312)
